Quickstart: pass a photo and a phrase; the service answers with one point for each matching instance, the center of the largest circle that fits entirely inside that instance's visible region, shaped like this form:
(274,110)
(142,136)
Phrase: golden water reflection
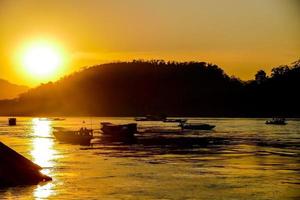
(44,191)
(43,154)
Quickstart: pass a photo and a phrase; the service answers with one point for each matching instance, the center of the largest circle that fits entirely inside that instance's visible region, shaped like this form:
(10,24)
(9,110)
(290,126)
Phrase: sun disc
(41,60)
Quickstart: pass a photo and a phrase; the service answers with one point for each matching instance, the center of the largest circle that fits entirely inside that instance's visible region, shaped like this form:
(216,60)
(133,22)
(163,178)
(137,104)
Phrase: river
(240,159)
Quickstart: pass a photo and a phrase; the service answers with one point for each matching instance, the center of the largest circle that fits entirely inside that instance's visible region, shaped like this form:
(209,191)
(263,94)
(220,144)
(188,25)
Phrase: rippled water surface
(240,159)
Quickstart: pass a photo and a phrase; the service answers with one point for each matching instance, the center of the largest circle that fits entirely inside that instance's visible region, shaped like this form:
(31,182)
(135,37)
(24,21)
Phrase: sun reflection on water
(43,191)
(43,154)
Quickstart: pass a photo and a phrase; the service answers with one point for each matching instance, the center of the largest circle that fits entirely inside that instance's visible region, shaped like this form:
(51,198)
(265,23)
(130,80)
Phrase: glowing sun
(41,59)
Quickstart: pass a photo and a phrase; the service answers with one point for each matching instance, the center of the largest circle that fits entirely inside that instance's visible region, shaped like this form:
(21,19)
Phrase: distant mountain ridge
(9,90)
(157,87)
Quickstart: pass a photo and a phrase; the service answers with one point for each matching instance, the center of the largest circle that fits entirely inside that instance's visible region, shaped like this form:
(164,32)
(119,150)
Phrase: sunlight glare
(42,59)
(44,191)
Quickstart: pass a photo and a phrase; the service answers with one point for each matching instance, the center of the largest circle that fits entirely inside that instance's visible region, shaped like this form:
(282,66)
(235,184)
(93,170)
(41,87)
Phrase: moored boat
(43,119)
(175,120)
(151,118)
(16,170)
(12,121)
(82,136)
(197,126)
(277,121)
(52,119)
(58,119)
(118,130)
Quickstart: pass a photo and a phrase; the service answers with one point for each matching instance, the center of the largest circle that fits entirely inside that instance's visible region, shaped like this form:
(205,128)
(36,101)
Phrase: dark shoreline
(137,88)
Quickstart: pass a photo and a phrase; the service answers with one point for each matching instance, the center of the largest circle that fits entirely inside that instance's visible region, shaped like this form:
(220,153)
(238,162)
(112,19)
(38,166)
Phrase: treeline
(156,87)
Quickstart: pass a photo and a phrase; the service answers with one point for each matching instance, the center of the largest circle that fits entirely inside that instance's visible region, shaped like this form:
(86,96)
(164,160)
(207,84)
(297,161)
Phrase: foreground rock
(15,169)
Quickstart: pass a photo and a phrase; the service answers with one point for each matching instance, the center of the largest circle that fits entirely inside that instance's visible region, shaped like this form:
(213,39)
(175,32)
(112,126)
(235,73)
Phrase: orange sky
(240,36)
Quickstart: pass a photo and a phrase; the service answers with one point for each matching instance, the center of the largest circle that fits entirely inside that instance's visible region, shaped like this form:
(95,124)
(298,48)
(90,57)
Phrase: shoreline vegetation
(138,88)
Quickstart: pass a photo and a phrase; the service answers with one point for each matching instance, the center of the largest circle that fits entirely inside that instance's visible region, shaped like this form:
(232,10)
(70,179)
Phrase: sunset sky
(241,36)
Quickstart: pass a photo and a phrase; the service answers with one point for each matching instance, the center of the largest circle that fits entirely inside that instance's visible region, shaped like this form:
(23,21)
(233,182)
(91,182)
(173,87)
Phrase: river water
(239,159)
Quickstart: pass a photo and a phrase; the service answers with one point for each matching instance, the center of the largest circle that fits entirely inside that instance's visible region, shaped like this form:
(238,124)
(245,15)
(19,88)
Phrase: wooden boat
(118,131)
(82,136)
(197,126)
(151,118)
(58,119)
(52,119)
(276,121)
(175,120)
(44,119)
(17,170)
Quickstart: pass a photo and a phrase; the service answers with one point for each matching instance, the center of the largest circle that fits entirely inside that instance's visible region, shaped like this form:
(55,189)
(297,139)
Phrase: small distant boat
(118,131)
(52,119)
(82,136)
(44,119)
(58,119)
(175,120)
(277,121)
(197,126)
(12,121)
(151,118)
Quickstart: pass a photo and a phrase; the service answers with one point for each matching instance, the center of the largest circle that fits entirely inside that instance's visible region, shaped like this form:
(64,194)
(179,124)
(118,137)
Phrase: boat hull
(151,118)
(73,138)
(119,131)
(275,123)
(16,170)
(198,126)
(175,120)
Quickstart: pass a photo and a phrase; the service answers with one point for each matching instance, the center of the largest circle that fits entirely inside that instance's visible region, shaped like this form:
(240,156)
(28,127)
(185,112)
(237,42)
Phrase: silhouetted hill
(9,90)
(156,87)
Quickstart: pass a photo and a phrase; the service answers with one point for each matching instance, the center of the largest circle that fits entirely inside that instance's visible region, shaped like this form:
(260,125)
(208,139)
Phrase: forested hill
(157,87)
(9,90)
